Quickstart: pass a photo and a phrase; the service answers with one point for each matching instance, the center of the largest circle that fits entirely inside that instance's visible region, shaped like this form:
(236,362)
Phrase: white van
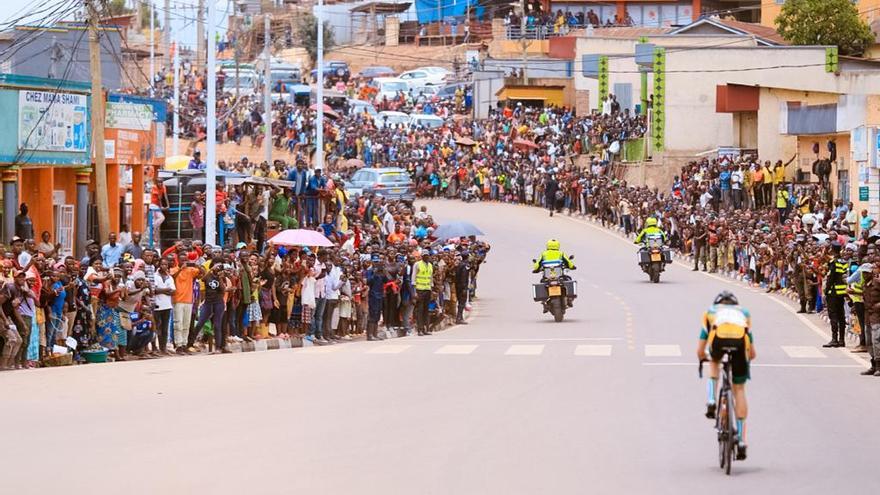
(388,87)
(389,118)
(425,121)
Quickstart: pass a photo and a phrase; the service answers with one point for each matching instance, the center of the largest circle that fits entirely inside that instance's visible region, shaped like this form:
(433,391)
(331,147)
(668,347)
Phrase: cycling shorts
(738,359)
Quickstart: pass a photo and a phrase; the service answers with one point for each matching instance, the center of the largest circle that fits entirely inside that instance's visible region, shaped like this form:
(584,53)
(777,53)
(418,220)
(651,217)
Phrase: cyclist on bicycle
(728,325)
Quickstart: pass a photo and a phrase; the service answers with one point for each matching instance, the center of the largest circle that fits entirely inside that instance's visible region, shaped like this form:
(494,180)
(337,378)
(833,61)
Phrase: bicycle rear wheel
(730,433)
(721,429)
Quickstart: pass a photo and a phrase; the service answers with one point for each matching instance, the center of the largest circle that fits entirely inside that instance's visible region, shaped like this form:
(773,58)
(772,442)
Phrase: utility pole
(200,34)
(211,165)
(166,34)
(319,141)
(152,47)
(524,42)
(267,88)
(176,130)
(101,192)
(236,54)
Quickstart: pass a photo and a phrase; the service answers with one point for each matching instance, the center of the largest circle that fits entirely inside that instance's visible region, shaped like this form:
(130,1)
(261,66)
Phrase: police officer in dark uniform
(835,293)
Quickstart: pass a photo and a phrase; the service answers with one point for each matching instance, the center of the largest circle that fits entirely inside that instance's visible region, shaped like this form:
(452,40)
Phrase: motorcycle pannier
(539,292)
(570,288)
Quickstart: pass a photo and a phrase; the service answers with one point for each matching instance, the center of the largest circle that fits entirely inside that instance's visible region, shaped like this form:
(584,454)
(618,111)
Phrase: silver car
(390,182)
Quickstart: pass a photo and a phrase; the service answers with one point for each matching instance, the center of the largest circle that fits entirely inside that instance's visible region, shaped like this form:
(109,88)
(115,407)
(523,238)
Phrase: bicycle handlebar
(701,366)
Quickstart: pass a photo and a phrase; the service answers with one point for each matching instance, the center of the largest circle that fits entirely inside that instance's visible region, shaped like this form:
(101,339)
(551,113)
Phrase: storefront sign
(863,193)
(129,116)
(50,121)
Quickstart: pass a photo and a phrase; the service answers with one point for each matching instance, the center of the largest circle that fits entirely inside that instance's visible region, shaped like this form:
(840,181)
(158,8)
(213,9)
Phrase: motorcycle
(653,257)
(556,290)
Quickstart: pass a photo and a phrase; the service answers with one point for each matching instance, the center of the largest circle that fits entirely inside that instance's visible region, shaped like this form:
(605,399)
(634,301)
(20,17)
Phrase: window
(392,177)
(843,184)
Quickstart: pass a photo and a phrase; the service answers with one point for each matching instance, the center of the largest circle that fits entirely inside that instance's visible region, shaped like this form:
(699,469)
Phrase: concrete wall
(693,75)
(621,64)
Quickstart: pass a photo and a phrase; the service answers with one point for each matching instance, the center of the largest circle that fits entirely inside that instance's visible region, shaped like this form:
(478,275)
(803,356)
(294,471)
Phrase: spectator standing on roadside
(111,252)
(24,227)
(423,279)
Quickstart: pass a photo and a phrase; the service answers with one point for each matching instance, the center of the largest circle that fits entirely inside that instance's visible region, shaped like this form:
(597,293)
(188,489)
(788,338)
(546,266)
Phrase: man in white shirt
(163,289)
(736,181)
(332,283)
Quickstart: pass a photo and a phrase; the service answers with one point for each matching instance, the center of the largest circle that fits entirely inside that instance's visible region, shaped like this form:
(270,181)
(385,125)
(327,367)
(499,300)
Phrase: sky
(183,14)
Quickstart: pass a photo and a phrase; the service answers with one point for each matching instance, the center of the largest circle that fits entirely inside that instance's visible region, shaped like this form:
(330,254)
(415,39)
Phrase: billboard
(52,121)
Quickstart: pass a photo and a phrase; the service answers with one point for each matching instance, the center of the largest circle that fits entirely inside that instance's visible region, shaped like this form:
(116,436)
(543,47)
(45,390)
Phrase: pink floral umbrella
(300,237)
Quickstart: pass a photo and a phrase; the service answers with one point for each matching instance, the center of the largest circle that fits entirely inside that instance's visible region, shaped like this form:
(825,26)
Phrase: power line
(43,114)
(32,35)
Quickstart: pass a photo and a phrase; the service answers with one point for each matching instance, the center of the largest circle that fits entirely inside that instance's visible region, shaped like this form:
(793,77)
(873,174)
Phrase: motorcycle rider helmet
(553,245)
(651,222)
(726,297)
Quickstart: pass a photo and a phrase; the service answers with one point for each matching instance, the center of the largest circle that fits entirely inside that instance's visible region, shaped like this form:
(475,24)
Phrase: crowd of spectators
(561,22)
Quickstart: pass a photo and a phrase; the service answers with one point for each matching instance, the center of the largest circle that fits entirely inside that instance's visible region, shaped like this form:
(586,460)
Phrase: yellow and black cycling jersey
(728,322)
(727,325)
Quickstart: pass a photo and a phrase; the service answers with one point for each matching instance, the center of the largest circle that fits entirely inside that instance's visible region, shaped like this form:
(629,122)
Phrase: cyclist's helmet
(726,297)
(553,245)
(651,222)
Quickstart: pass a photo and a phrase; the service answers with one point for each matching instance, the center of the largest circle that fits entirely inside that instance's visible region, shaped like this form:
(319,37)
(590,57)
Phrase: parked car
(248,83)
(376,71)
(437,70)
(293,93)
(420,78)
(360,106)
(424,94)
(334,70)
(425,121)
(389,182)
(388,87)
(388,118)
(448,91)
(286,75)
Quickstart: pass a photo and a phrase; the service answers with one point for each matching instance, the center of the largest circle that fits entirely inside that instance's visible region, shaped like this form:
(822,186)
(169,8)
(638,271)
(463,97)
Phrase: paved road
(606,402)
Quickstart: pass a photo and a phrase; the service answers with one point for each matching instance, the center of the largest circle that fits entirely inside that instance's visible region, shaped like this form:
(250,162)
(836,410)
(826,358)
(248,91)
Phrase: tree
(145,16)
(117,8)
(308,33)
(825,22)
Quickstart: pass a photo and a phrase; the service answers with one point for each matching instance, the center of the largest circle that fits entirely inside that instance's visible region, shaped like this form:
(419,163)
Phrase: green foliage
(145,16)
(117,7)
(308,32)
(825,22)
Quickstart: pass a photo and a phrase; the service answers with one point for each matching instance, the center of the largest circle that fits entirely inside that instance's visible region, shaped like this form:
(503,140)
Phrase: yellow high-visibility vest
(425,276)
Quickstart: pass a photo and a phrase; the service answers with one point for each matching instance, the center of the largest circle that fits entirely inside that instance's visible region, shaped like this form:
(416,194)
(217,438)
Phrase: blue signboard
(46,122)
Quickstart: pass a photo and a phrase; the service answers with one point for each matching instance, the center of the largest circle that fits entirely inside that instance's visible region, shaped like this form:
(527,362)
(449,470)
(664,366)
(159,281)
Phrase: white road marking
(525,350)
(456,349)
(768,365)
(592,350)
(389,349)
(806,321)
(662,350)
(803,352)
(530,339)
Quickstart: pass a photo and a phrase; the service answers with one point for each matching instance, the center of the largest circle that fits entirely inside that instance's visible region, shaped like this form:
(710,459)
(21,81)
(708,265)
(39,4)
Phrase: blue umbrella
(456,229)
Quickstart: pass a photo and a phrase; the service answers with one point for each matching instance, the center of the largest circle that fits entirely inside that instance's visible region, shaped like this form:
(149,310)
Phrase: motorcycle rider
(553,253)
(650,229)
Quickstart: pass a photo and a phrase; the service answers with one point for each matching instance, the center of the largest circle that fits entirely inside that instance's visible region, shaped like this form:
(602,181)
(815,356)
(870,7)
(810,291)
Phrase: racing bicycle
(725,417)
